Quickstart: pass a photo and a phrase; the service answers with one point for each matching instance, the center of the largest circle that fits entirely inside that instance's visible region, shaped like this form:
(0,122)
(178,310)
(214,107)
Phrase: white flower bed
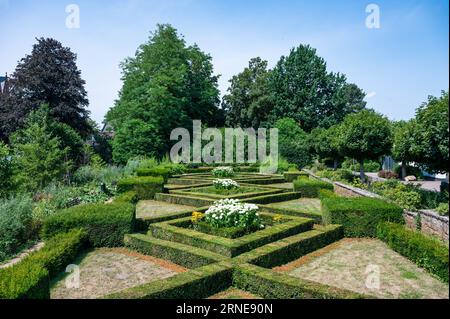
(225,184)
(224,171)
(233,213)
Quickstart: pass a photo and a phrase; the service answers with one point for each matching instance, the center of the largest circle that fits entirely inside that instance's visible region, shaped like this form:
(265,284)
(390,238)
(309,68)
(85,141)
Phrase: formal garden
(90,213)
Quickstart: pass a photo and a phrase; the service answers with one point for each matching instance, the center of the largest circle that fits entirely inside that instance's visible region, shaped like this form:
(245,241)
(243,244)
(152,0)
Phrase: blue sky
(398,65)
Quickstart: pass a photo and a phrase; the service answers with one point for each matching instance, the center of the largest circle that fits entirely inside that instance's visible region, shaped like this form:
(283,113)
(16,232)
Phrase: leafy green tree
(432,135)
(49,75)
(38,157)
(325,143)
(248,102)
(165,85)
(404,141)
(366,135)
(6,170)
(303,90)
(293,142)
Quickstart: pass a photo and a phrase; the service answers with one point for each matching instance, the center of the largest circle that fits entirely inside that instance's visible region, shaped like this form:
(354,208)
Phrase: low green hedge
(273,198)
(30,278)
(272,285)
(127,197)
(105,224)
(425,251)
(195,284)
(311,188)
(186,256)
(25,280)
(155,172)
(146,187)
(293,175)
(359,215)
(326,193)
(294,247)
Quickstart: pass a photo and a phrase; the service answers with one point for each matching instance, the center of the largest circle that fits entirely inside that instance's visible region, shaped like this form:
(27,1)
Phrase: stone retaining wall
(430,222)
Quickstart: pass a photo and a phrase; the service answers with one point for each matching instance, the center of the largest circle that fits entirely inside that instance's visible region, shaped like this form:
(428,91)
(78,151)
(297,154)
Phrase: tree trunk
(335,165)
(403,169)
(362,176)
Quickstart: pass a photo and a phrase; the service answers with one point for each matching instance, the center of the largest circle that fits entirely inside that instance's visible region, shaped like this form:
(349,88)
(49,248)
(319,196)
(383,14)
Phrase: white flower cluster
(223,171)
(225,184)
(233,213)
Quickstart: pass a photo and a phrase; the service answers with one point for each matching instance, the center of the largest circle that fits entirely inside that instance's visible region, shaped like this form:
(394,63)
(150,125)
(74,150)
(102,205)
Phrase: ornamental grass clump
(225,171)
(233,213)
(226,184)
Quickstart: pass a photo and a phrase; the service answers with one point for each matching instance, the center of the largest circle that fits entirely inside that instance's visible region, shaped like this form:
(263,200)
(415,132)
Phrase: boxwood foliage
(425,251)
(311,188)
(293,175)
(272,285)
(155,172)
(146,187)
(195,284)
(360,216)
(127,197)
(29,279)
(105,224)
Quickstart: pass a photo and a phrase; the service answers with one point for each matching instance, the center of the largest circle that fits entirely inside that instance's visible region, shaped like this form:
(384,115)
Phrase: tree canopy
(366,135)
(49,75)
(165,85)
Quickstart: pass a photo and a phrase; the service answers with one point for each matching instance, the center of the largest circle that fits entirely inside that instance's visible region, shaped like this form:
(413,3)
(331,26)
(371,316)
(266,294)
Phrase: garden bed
(104,271)
(345,265)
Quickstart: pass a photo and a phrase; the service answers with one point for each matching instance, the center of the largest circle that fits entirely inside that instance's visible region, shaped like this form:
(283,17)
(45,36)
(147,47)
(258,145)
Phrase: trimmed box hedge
(274,198)
(293,175)
(105,224)
(194,284)
(311,188)
(292,248)
(127,197)
(165,173)
(272,285)
(186,256)
(425,251)
(146,187)
(360,216)
(226,246)
(30,278)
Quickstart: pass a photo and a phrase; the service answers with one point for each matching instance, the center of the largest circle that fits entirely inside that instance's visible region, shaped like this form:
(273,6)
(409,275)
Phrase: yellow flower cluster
(196,216)
(277,218)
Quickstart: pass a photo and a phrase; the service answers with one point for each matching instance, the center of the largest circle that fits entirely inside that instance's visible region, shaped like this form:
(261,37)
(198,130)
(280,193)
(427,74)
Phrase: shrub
(155,171)
(369,166)
(341,175)
(310,188)
(221,172)
(30,277)
(388,175)
(442,209)
(128,197)
(291,176)
(145,187)
(359,215)
(59,251)
(105,224)
(425,251)
(233,213)
(16,225)
(25,280)
(326,193)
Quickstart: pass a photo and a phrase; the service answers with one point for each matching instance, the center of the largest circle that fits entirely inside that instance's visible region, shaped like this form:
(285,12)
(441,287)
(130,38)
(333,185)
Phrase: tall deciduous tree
(366,135)
(405,135)
(305,91)
(432,131)
(325,143)
(293,142)
(49,75)
(248,102)
(165,85)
